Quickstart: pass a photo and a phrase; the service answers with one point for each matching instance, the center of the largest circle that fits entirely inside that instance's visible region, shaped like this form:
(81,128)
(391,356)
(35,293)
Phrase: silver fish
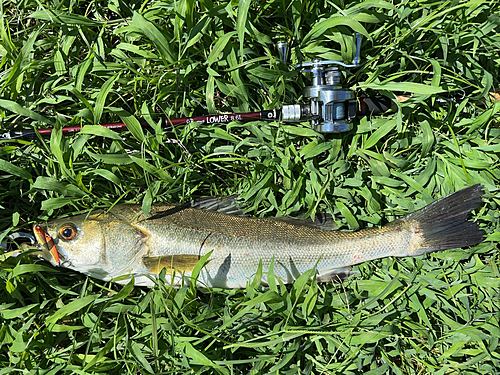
(122,241)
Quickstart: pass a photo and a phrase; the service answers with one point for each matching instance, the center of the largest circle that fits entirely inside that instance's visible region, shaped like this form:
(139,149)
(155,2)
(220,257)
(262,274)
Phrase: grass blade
(241,23)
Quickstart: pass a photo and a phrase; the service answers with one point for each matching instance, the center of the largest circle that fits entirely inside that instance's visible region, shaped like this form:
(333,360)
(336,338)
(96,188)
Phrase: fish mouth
(47,245)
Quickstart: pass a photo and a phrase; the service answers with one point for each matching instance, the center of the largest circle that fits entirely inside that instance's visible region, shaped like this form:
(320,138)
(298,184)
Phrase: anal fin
(334,274)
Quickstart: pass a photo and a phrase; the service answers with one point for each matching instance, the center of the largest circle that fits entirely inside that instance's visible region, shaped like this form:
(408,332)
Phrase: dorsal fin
(226,205)
(229,205)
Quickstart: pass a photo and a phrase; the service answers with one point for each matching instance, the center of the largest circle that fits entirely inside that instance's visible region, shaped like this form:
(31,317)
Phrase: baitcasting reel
(331,106)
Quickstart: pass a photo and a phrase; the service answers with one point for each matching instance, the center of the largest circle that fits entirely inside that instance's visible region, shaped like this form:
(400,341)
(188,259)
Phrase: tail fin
(444,223)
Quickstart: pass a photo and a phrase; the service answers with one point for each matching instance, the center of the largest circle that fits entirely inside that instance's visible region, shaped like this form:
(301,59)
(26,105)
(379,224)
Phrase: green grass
(81,63)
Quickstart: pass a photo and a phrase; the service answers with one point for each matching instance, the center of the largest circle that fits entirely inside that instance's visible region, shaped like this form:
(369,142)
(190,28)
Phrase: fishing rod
(364,106)
(330,107)
(120,126)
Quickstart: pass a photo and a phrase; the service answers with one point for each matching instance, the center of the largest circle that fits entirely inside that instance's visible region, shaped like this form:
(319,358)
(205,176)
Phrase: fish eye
(68,232)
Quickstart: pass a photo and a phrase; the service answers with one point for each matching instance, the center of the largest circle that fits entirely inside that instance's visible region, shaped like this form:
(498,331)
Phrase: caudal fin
(444,223)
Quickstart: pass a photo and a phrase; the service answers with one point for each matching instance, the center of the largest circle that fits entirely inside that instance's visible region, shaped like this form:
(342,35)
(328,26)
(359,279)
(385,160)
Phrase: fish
(122,243)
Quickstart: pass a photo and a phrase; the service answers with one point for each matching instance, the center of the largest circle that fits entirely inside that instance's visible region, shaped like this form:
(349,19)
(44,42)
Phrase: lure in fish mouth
(41,245)
(47,245)
(122,242)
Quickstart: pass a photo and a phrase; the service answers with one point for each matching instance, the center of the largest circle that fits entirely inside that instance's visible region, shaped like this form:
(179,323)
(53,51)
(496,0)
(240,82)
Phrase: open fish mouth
(47,245)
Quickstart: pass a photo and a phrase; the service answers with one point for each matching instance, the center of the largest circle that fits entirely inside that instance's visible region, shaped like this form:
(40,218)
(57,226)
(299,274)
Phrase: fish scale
(122,242)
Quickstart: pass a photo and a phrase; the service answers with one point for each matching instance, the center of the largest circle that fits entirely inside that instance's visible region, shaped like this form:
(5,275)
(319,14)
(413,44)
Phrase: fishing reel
(331,107)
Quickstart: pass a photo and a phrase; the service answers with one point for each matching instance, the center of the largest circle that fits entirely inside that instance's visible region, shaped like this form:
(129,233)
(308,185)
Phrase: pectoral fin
(183,263)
